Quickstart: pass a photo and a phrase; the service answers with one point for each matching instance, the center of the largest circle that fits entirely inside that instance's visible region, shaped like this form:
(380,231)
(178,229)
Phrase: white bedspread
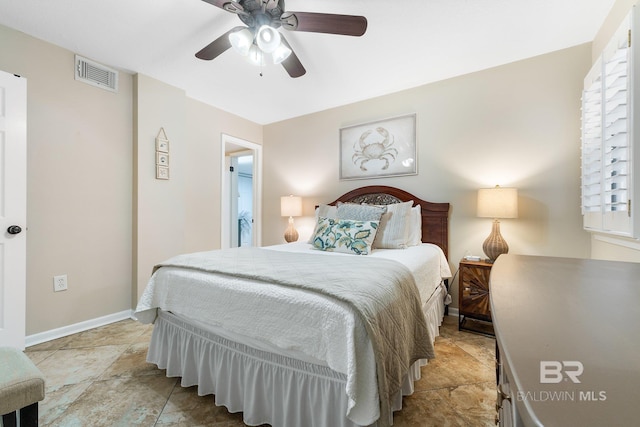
(318,329)
(427,262)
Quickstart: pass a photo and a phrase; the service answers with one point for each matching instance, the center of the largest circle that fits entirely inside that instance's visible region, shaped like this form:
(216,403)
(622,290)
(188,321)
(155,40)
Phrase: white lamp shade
(281,53)
(498,202)
(255,56)
(290,206)
(241,41)
(268,39)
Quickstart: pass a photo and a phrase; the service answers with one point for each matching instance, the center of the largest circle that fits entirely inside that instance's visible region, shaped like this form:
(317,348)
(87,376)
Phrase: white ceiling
(408,43)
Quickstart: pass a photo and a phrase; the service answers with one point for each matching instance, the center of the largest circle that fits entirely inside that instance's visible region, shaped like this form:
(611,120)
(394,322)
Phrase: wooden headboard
(435,216)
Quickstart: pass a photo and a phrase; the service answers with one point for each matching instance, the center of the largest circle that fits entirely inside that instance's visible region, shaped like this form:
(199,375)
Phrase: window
(607,138)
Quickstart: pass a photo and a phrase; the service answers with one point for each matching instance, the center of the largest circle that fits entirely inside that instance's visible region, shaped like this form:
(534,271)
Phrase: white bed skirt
(268,388)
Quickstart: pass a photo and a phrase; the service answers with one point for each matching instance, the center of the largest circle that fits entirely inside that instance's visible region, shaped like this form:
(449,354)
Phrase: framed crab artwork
(379,149)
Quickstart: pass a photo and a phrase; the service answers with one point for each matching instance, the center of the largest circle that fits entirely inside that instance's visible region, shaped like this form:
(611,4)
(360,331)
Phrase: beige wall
(602,246)
(95,210)
(205,126)
(181,214)
(514,125)
(78,183)
(159,205)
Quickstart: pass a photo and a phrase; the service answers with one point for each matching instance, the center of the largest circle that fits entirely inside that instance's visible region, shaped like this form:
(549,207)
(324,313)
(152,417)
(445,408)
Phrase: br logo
(553,371)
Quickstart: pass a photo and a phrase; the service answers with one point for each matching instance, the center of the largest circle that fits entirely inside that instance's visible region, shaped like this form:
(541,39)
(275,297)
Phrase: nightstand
(473,297)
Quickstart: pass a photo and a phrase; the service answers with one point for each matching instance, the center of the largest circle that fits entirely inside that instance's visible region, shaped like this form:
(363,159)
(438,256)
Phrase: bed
(279,334)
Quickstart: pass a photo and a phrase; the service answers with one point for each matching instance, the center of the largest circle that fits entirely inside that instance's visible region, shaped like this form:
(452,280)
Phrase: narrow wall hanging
(162,155)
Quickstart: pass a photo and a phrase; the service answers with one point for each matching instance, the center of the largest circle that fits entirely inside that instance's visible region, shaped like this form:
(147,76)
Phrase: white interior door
(13,209)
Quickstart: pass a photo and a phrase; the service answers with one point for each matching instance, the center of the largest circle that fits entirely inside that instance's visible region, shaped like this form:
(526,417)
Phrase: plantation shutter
(607,138)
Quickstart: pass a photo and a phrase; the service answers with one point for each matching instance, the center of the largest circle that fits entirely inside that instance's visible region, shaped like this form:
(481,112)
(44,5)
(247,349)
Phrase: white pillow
(326,211)
(394,227)
(415,226)
(359,212)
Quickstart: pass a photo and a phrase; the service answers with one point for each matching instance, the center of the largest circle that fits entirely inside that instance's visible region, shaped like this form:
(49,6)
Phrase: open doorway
(241,193)
(241,198)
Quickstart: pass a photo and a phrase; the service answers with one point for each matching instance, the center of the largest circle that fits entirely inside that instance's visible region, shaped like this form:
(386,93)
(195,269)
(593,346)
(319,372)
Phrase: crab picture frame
(379,149)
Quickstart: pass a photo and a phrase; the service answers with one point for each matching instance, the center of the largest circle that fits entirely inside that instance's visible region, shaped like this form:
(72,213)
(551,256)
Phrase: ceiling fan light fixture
(268,39)
(255,56)
(241,41)
(263,19)
(281,53)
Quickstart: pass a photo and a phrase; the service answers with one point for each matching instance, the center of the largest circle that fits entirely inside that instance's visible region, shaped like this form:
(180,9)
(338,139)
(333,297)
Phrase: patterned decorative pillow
(343,235)
(324,211)
(360,212)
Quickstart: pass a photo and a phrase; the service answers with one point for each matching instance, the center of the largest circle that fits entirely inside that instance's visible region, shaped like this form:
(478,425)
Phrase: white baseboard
(453,311)
(77,327)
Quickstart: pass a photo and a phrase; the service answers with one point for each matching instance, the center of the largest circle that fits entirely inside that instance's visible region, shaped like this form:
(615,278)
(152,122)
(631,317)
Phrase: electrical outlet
(60,283)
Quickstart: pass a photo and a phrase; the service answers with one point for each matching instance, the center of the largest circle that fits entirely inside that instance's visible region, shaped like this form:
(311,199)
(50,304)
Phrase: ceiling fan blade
(347,25)
(216,47)
(292,64)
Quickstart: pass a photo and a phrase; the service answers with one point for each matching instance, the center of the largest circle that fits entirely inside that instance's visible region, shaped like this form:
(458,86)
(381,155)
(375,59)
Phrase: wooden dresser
(568,341)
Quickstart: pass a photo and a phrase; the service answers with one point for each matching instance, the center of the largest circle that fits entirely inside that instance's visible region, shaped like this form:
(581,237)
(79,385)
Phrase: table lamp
(497,203)
(290,206)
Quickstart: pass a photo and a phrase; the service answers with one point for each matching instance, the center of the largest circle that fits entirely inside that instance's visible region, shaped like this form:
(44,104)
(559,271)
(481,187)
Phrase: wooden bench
(21,388)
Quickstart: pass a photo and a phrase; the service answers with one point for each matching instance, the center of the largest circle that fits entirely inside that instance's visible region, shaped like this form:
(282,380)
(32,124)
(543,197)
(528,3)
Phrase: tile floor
(100,378)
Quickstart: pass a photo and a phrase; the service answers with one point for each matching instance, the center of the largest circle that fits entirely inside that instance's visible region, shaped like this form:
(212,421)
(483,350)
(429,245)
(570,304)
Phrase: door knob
(14,229)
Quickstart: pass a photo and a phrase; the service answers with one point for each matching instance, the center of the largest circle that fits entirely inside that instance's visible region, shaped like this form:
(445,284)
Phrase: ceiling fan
(260,37)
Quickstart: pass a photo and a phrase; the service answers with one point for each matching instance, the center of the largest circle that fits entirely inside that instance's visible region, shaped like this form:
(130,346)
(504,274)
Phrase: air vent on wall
(96,74)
